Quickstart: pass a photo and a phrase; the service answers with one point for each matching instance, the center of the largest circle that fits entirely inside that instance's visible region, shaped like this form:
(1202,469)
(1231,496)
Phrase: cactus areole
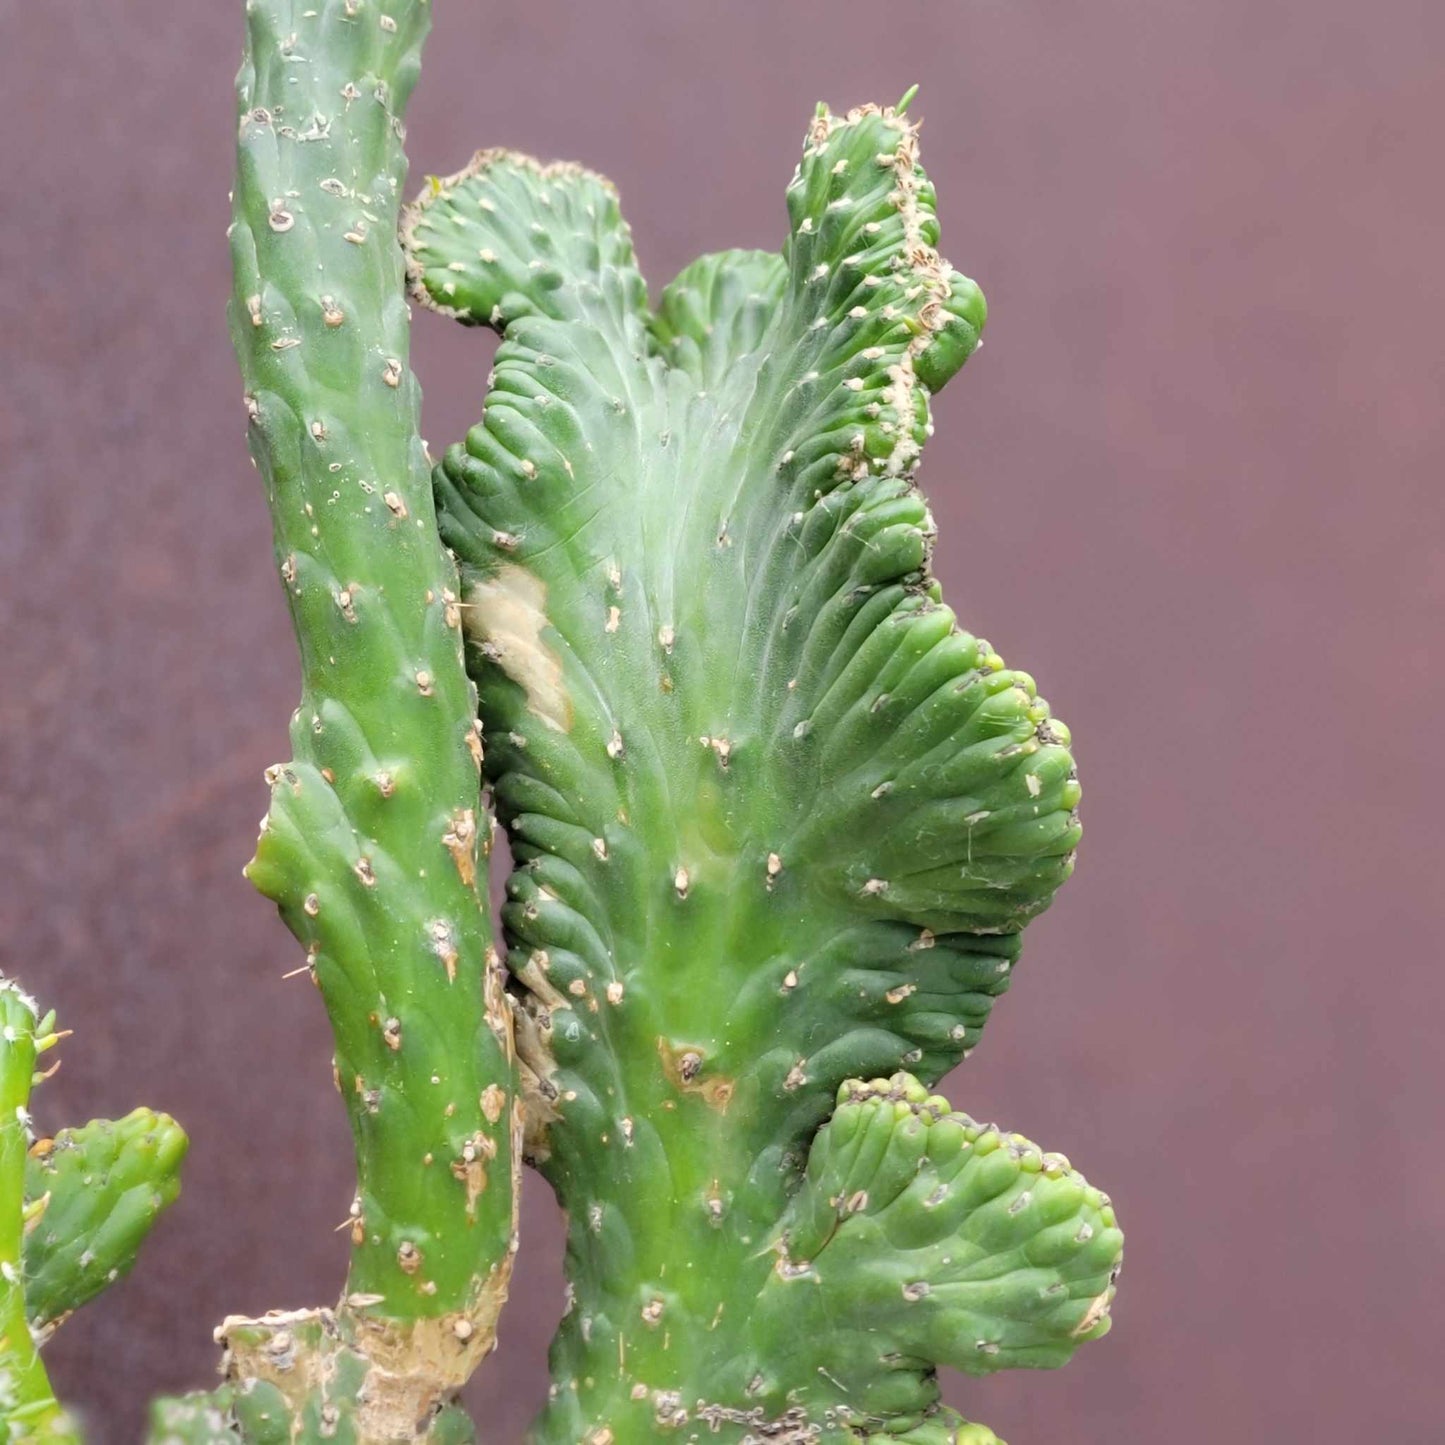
(778,822)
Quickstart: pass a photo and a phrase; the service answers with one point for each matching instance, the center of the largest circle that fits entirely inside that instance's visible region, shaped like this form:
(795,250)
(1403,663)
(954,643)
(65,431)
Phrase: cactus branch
(949,1241)
(717,312)
(96,1193)
(28,1407)
(372,848)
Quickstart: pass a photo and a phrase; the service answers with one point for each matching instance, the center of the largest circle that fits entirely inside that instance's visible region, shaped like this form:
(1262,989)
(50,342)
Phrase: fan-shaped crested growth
(778,820)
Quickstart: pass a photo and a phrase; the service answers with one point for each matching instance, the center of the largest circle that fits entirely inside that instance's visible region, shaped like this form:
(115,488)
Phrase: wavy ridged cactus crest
(777,821)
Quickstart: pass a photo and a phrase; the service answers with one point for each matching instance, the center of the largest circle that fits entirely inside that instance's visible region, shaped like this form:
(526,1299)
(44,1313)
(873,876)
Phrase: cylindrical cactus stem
(28,1407)
(372,842)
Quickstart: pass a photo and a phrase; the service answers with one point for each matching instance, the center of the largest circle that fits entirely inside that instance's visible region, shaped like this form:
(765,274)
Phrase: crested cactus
(778,822)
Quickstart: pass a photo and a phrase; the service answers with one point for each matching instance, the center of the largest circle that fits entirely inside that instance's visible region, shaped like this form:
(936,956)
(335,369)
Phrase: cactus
(777,821)
(371,848)
(28,1407)
(74,1210)
(95,1193)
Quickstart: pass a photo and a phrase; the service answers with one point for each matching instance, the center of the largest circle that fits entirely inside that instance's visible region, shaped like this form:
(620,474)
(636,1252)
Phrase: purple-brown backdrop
(1192,483)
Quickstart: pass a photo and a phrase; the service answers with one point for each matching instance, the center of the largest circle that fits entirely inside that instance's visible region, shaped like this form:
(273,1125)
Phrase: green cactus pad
(373,848)
(711,662)
(778,821)
(97,1191)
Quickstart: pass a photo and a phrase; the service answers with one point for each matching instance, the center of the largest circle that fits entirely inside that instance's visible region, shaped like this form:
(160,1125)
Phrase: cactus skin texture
(778,821)
(95,1193)
(371,848)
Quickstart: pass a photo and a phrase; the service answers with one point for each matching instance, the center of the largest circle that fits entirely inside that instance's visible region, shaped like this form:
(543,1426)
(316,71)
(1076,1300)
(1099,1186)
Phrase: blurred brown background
(1192,483)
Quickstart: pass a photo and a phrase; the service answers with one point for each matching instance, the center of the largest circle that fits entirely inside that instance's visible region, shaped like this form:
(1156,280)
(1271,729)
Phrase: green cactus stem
(372,847)
(778,821)
(28,1407)
(93,1195)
